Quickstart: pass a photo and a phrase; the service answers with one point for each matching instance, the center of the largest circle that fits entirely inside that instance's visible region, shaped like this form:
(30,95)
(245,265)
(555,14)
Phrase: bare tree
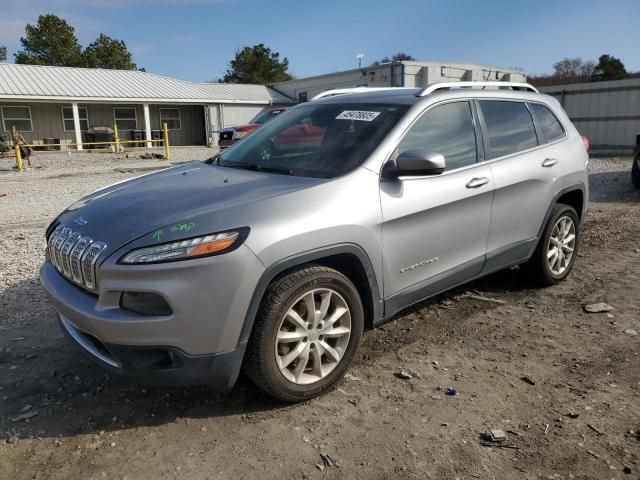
(573,69)
(567,70)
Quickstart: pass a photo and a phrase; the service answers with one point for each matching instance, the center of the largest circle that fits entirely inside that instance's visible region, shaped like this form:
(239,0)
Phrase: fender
(571,188)
(307,257)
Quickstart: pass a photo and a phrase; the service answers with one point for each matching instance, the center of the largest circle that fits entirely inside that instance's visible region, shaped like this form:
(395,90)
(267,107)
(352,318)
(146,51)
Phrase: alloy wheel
(313,336)
(562,243)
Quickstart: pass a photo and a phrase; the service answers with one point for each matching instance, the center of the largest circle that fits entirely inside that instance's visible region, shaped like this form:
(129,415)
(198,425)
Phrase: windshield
(315,139)
(265,116)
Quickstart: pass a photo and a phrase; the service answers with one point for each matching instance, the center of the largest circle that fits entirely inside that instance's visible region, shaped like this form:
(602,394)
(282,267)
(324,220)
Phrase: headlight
(206,245)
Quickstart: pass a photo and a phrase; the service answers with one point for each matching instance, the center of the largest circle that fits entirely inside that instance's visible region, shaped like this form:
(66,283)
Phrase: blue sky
(195,39)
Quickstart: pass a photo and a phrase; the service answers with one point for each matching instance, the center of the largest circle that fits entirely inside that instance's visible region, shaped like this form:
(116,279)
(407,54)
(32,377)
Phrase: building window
(170,116)
(125,118)
(302,97)
(19,117)
(67,119)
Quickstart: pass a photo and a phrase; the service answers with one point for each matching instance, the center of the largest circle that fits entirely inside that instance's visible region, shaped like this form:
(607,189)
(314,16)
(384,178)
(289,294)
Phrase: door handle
(477,182)
(549,162)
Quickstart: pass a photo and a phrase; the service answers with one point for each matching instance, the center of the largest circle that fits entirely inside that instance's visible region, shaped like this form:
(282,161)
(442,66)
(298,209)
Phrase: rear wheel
(306,335)
(557,248)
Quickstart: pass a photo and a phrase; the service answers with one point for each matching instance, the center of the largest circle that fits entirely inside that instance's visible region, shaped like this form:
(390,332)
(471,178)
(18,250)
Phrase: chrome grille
(67,245)
(57,246)
(89,260)
(75,256)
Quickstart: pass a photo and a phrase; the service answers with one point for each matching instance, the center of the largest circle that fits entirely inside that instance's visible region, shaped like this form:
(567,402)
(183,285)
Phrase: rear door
(527,174)
(435,227)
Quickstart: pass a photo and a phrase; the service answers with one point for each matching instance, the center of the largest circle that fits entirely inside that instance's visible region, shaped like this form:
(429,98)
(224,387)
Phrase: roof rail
(448,85)
(344,91)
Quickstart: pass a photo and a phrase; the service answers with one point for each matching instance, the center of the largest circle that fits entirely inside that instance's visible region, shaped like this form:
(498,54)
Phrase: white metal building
(608,113)
(396,74)
(63,103)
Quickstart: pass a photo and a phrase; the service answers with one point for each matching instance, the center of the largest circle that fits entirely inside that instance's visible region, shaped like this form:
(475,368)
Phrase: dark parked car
(635,167)
(231,135)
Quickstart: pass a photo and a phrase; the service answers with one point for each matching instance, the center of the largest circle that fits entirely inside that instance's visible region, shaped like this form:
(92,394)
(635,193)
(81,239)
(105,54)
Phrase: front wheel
(306,335)
(557,248)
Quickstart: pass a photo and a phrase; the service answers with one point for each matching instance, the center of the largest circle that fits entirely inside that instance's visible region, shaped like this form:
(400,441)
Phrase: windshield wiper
(256,167)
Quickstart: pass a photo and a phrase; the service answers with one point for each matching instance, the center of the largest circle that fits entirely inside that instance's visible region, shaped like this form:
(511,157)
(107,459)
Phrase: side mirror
(416,163)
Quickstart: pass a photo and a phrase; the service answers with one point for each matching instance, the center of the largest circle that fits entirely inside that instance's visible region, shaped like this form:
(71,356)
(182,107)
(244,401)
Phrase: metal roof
(34,82)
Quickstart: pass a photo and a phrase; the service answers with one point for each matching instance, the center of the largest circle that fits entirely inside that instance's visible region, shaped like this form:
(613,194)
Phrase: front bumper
(209,298)
(159,365)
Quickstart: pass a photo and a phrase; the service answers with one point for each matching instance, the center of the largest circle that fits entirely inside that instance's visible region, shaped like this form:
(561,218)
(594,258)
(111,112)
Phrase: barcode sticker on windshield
(358,115)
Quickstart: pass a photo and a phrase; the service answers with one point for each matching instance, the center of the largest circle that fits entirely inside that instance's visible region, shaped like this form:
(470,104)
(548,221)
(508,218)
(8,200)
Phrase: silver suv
(333,217)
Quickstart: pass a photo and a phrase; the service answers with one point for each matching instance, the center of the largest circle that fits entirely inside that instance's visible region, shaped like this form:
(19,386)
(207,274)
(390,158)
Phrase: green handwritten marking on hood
(182,227)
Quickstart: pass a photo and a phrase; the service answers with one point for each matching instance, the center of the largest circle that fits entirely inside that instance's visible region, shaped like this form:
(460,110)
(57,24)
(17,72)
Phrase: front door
(435,228)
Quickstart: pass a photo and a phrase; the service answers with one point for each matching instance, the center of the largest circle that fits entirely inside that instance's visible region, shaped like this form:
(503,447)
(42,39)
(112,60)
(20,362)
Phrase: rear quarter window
(550,125)
(509,127)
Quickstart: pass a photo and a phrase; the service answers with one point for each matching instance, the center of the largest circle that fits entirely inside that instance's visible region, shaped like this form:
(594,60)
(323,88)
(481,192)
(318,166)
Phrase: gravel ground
(580,419)
(60,179)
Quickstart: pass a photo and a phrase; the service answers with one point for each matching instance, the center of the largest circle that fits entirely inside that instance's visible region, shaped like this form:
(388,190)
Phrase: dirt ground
(579,419)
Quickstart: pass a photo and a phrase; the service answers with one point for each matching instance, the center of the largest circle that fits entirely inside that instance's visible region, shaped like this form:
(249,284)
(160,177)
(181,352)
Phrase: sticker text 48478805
(360,115)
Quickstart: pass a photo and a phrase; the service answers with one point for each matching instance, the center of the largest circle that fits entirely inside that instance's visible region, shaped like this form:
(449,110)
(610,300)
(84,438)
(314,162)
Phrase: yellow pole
(116,137)
(18,157)
(167,150)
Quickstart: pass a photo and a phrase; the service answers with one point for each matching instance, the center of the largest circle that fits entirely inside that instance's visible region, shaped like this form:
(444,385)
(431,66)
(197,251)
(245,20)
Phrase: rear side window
(548,122)
(509,125)
(446,129)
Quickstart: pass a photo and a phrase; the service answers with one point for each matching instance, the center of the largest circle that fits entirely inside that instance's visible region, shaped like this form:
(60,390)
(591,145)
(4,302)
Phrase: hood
(189,196)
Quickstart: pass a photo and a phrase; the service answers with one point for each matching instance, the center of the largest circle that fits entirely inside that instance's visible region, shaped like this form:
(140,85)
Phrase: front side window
(509,127)
(445,129)
(67,118)
(548,122)
(125,118)
(171,116)
(322,140)
(19,117)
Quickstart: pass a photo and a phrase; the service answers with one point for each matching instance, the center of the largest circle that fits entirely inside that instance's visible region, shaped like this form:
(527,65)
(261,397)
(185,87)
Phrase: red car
(231,135)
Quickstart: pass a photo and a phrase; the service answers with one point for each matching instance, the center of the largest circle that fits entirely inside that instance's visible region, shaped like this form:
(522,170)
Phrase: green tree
(52,41)
(257,64)
(398,57)
(609,68)
(107,52)
(3,54)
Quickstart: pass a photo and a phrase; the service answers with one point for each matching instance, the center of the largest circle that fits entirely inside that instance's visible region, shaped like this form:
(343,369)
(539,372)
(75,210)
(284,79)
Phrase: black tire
(260,359)
(635,172)
(537,270)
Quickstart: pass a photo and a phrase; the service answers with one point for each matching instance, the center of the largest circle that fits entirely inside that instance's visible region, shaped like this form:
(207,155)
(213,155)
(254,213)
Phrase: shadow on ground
(612,187)
(40,368)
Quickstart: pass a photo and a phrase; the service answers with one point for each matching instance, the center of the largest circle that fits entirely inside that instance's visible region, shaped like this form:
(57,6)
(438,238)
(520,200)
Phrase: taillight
(241,132)
(585,142)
